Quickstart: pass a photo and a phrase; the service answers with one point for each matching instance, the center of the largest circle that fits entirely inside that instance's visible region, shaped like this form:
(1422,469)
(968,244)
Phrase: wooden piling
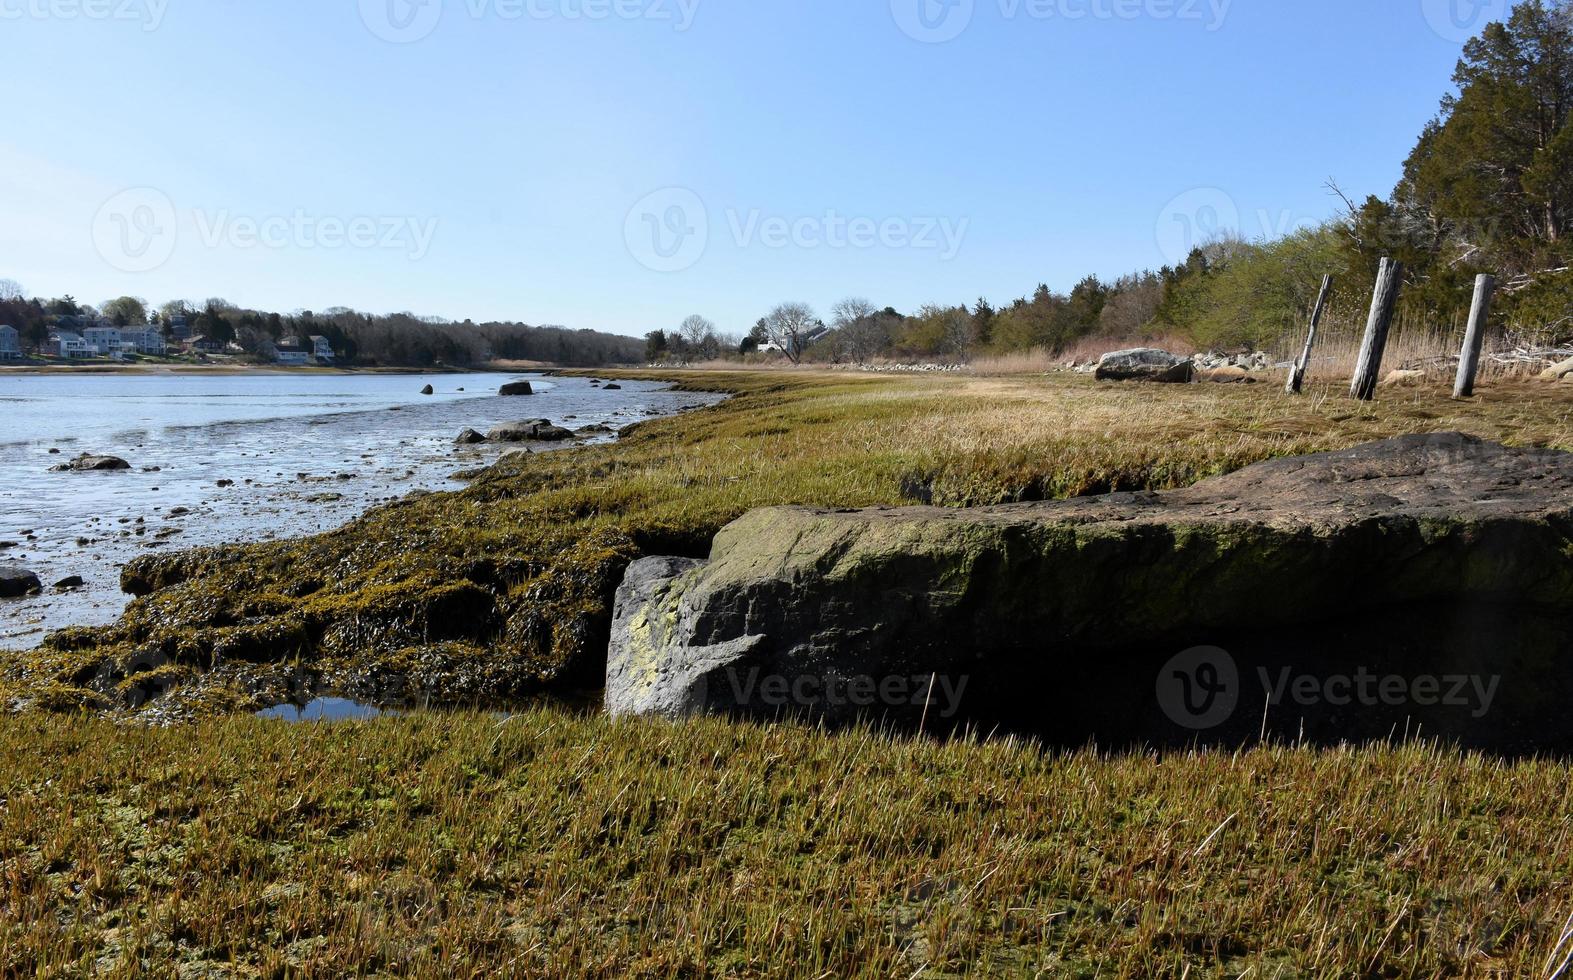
(1384,301)
(1474,337)
(1297,373)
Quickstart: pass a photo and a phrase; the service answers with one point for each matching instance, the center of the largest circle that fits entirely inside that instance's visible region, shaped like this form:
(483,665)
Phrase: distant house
(179,329)
(202,344)
(292,352)
(103,339)
(10,344)
(322,350)
(69,344)
(143,340)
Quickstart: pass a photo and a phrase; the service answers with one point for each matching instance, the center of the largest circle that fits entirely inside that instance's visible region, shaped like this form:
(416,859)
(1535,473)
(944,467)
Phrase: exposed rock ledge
(1338,585)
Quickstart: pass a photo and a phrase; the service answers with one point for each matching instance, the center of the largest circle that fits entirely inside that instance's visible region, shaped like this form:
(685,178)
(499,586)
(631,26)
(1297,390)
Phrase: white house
(10,344)
(322,350)
(70,344)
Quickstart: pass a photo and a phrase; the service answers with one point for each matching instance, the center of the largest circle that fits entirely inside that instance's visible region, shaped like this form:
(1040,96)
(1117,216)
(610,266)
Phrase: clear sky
(619,164)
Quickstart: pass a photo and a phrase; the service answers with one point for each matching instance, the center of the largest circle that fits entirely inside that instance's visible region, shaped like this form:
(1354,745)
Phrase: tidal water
(297,454)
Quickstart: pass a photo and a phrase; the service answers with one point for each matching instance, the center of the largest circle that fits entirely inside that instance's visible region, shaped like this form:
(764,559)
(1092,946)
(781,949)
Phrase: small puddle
(322,709)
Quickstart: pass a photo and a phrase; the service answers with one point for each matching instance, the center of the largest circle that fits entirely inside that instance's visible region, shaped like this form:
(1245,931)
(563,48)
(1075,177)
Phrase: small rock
(70,582)
(1558,372)
(1232,374)
(54,452)
(613,387)
(469,437)
(16,581)
(226,483)
(1395,379)
(428,390)
(515,388)
(179,511)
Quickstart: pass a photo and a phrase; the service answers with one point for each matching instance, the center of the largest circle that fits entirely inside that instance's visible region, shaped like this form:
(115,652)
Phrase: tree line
(1487,188)
(373,340)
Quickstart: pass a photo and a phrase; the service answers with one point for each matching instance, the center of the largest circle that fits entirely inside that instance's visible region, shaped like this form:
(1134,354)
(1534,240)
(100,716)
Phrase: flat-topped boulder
(1420,583)
(514,389)
(1144,364)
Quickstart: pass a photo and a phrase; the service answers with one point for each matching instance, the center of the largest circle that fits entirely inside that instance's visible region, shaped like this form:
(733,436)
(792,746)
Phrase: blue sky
(619,164)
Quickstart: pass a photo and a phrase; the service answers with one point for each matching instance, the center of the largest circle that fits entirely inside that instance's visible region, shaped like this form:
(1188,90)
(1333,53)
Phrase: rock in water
(1421,582)
(86,463)
(428,390)
(613,387)
(469,437)
(16,581)
(514,388)
(1144,364)
(533,430)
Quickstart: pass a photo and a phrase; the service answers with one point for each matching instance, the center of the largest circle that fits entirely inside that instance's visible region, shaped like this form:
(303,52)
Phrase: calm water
(304,452)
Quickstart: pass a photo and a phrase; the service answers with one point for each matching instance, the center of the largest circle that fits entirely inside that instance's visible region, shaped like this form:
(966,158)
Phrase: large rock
(516,388)
(531,430)
(16,581)
(86,462)
(1418,584)
(1144,364)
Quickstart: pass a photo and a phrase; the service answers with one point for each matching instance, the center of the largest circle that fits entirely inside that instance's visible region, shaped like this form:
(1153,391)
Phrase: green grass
(558,844)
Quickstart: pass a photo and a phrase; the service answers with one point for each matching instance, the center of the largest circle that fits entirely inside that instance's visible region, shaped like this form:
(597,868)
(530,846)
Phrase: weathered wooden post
(1389,278)
(1297,373)
(1474,337)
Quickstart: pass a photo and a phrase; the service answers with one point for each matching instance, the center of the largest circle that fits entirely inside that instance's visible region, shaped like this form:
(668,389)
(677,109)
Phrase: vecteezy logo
(1200,688)
(400,21)
(1460,20)
(1194,219)
(932,21)
(668,231)
(136,230)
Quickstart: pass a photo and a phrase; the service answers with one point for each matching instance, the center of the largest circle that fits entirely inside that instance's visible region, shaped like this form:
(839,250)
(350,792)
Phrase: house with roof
(143,340)
(292,352)
(10,344)
(67,343)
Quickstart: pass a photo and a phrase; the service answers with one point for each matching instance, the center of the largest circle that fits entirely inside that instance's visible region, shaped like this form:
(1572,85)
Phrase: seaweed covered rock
(514,389)
(88,462)
(1421,582)
(532,430)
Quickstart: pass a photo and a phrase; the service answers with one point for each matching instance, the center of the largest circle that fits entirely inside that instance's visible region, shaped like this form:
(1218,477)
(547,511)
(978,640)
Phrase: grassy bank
(504,589)
(562,845)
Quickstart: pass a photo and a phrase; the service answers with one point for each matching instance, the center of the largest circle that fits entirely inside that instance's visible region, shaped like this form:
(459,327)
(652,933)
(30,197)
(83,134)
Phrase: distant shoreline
(491,367)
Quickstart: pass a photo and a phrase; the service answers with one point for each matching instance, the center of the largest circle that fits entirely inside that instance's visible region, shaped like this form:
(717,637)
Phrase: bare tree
(788,326)
(10,289)
(698,335)
(861,330)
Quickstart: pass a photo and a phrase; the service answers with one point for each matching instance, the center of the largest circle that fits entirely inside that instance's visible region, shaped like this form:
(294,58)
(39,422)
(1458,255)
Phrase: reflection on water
(228,458)
(322,709)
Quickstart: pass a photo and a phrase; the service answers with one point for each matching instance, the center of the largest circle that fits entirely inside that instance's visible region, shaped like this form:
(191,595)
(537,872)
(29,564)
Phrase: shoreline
(163,368)
(343,487)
